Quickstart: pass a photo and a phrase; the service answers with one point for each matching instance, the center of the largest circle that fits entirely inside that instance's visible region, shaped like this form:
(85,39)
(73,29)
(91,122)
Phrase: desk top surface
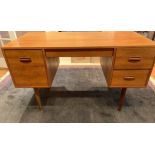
(58,40)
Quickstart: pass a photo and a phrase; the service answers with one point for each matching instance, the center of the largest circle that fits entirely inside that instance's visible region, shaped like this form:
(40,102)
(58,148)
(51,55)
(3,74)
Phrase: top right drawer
(134,58)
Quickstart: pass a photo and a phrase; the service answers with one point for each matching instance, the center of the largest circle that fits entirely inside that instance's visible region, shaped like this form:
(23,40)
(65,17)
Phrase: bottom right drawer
(129,78)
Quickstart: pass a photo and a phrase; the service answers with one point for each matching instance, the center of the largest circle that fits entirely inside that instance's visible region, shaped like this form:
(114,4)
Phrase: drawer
(27,67)
(134,58)
(129,78)
(107,52)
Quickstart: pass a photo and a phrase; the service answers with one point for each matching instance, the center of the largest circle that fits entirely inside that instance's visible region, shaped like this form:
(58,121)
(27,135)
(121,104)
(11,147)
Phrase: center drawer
(134,58)
(105,52)
(129,78)
(27,67)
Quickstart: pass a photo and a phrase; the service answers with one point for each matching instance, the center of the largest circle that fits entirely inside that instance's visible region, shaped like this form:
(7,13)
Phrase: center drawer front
(134,58)
(107,52)
(27,67)
(129,78)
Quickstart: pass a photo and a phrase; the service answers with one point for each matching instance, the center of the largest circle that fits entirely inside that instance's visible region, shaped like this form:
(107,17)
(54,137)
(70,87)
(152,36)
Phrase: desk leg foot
(122,99)
(37,96)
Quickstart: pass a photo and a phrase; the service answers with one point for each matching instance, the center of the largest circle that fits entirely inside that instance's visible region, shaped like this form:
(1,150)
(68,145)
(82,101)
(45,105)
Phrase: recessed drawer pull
(25,60)
(134,59)
(129,78)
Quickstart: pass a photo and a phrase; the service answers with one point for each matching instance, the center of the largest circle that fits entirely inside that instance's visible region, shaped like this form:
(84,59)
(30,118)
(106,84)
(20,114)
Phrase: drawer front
(27,67)
(79,52)
(134,58)
(129,78)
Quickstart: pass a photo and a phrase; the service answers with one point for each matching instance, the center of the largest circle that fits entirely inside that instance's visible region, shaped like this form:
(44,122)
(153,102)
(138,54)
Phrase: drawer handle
(129,78)
(134,59)
(25,60)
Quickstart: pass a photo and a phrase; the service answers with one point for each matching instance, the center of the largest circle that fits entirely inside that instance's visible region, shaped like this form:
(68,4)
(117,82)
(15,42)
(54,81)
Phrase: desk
(127,58)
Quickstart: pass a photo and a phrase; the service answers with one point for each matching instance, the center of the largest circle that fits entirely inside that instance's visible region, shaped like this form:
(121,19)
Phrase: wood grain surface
(58,40)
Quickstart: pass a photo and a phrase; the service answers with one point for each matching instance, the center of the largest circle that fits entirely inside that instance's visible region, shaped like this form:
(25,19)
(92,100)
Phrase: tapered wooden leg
(122,99)
(37,96)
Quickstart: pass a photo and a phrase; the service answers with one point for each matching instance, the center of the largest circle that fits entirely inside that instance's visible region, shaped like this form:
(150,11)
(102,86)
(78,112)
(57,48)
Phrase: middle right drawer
(134,58)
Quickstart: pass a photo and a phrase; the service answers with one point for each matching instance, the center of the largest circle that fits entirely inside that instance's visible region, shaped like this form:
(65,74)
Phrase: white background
(77,15)
(77,139)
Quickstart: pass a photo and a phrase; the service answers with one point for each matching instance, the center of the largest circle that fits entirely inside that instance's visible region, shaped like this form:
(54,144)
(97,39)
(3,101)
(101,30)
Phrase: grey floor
(77,95)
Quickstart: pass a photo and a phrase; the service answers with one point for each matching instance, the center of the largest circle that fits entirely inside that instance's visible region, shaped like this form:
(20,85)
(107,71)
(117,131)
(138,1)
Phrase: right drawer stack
(132,67)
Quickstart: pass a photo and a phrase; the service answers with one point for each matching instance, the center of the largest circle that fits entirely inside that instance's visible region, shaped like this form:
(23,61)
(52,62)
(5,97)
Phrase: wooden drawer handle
(134,59)
(25,60)
(129,78)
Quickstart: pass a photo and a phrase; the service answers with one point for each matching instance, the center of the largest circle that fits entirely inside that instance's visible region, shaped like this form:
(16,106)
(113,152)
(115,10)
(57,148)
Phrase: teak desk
(127,58)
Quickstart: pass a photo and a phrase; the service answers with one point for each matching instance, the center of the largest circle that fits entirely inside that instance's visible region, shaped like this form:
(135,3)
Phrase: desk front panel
(123,67)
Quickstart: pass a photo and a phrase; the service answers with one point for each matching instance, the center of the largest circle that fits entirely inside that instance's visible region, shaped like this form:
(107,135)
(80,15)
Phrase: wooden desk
(127,58)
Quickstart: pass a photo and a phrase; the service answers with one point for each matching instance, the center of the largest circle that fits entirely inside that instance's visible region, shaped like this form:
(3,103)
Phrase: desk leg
(37,96)
(122,99)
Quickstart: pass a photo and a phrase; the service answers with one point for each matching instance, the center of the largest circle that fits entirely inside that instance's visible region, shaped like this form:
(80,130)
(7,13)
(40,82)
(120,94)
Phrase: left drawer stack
(27,67)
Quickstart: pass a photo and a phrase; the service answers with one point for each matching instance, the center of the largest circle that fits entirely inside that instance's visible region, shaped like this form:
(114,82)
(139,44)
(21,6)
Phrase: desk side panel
(52,64)
(107,68)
